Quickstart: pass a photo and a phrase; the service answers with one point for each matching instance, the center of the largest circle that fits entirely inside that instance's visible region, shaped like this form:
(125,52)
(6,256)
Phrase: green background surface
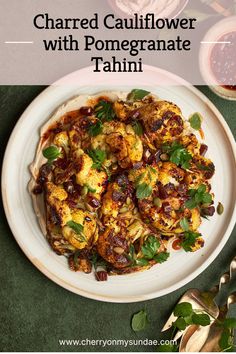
(35,312)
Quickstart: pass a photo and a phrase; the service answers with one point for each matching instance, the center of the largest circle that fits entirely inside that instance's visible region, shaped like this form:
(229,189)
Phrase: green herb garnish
(143,190)
(161,257)
(141,262)
(90,189)
(195,121)
(98,156)
(189,240)
(97,261)
(78,229)
(183,309)
(178,154)
(201,167)
(75,257)
(51,153)
(198,196)
(95,129)
(150,247)
(139,321)
(104,111)
(180,323)
(201,319)
(138,129)
(186,315)
(137,94)
(184,224)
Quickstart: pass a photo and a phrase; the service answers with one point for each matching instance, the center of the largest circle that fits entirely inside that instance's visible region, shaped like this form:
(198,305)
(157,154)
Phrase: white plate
(161,279)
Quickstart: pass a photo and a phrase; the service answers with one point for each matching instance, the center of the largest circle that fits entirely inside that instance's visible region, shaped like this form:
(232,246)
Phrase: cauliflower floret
(56,196)
(191,143)
(61,139)
(88,225)
(135,147)
(87,176)
(170,173)
(148,175)
(113,247)
(162,120)
(74,139)
(109,205)
(121,142)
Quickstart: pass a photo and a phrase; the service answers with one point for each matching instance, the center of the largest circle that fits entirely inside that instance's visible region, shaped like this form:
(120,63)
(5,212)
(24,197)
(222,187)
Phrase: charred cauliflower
(120,176)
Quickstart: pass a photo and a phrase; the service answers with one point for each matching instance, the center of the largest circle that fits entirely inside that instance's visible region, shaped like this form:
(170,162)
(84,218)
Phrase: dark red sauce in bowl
(223,61)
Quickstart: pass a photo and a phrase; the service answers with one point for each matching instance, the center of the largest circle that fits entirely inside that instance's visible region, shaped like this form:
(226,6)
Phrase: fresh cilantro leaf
(206,198)
(143,191)
(161,257)
(167,348)
(189,240)
(90,189)
(195,121)
(134,260)
(150,247)
(78,229)
(139,321)
(180,323)
(137,94)
(201,167)
(183,309)
(188,319)
(95,129)
(141,262)
(198,196)
(201,319)
(97,261)
(201,189)
(178,154)
(184,224)
(190,204)
(104,111)
(98,156)
(138,129)
(51,153)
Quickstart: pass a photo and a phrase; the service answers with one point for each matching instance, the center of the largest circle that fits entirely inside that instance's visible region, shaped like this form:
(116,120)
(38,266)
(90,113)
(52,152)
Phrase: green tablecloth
(35,313)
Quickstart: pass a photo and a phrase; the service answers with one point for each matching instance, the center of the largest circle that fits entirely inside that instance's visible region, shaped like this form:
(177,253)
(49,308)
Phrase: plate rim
(89,294)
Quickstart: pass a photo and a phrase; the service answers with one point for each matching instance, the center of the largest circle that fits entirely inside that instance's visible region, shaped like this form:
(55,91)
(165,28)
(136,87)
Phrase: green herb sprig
(195,121)
(186,316)
(137,94)
(139,321)
(178,154)
(184,224)
(149,252)
(96,128)
(98,156)
(78,229)
(189,240)
(197,197)
(104,111)
(138,129)
(144,190)
(51,153)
